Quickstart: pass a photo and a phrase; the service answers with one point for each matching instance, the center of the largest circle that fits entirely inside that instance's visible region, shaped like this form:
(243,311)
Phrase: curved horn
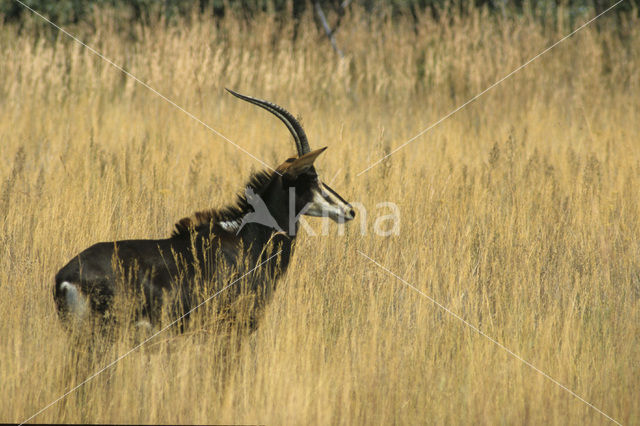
(299,136)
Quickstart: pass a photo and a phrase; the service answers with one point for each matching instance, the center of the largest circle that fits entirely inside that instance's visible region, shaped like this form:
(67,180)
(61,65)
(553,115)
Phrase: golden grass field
(519,213)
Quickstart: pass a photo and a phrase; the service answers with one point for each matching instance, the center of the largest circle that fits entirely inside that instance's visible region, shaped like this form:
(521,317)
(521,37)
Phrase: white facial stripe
(320,206)
(326,203)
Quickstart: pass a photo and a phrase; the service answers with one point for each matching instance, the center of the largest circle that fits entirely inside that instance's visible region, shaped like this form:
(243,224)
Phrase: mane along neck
(228,217)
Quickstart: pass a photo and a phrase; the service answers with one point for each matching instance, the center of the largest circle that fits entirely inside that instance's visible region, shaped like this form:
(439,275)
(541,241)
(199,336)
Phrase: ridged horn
(299,136)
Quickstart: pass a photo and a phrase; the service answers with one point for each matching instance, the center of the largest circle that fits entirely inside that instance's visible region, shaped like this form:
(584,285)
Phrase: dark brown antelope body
(255,236)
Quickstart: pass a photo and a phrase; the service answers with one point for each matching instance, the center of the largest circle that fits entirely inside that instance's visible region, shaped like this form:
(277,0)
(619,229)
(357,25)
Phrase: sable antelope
(236,237)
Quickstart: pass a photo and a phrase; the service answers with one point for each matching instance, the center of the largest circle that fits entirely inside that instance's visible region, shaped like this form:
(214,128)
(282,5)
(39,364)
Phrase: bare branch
(327,28)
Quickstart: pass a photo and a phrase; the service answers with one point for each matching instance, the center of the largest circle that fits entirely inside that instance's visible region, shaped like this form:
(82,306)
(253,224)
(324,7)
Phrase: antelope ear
(303,163)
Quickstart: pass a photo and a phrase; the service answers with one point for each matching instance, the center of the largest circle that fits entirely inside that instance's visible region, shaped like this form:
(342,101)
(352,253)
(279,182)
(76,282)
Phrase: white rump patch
(76,302)
(145,325)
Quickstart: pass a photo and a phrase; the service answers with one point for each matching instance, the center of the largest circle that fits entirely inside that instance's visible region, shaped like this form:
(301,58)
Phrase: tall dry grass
(519,213)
